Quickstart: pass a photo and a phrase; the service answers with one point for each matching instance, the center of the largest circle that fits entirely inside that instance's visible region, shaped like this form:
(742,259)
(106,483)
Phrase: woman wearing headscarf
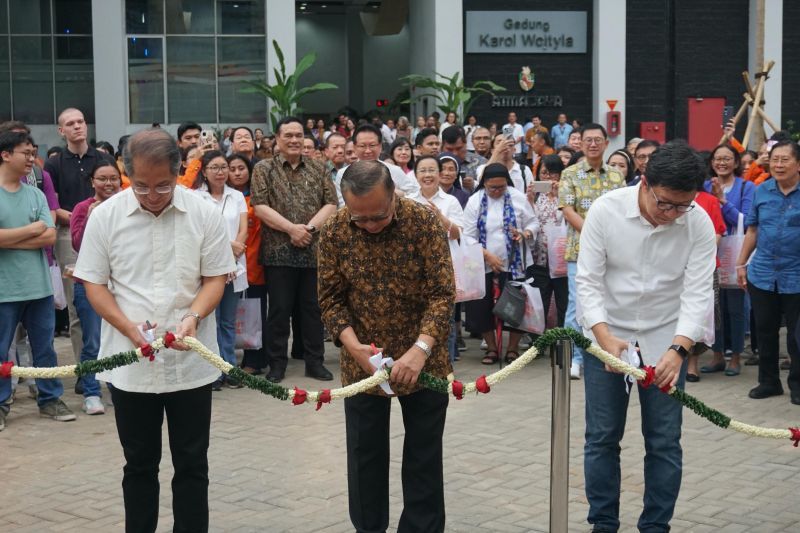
(499,217)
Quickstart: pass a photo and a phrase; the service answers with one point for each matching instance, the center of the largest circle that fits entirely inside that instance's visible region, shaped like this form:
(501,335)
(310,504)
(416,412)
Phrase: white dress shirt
(521,176)
(446,203)
(517,132)
(403,182)
(647,283)
(232,205)
(154,267)
(495,237)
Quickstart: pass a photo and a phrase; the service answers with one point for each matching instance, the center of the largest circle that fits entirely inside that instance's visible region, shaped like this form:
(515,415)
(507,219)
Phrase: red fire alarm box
(613,123)
(653,131)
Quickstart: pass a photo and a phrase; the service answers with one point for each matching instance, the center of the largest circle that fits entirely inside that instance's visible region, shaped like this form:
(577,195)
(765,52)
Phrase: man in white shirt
(158,253)
(367,145)
(514,129)
(644,278)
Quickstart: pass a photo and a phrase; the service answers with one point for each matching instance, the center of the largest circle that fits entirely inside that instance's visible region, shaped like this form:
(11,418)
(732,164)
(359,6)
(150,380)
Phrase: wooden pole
(757,100)
(749,100)
(747,84)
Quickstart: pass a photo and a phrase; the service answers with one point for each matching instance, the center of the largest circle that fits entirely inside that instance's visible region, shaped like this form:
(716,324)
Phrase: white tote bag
(534,319)
(556,247)
(469,271)
(728,252)
(248,324)
(59,297)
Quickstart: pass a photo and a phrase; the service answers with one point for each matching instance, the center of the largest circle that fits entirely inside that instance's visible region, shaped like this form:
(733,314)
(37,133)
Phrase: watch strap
(683,352)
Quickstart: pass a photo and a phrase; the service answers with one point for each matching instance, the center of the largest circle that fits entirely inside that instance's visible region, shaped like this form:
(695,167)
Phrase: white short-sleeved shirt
(232,205)
(446,203)
(154,267)
(403,182)
(518,132)
(495,238)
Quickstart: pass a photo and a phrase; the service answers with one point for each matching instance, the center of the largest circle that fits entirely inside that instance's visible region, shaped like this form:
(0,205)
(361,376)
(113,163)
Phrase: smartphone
(508,133)
(205,137)
(542,187)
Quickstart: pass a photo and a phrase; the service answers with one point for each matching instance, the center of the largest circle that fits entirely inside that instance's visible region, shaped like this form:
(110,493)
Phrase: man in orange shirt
(541,144)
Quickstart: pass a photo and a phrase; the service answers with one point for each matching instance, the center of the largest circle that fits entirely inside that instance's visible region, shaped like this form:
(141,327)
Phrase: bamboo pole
(749,100)
(762,78)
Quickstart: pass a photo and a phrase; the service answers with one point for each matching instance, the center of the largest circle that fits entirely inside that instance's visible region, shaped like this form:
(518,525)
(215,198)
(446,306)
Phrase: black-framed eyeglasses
(668,206)
(374,218)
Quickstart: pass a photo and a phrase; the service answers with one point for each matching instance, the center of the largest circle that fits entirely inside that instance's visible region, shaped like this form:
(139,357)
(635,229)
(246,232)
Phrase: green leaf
(279,53)
(322,86)
(304,64)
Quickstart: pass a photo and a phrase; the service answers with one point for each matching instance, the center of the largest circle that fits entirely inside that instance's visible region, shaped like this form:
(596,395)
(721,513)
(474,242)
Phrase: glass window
(245,17)
(31,62)
(75,75)
(146,80)
(73,16)
(240,59)
(191,84)
(5,81)
(190,17)
(144,16)
(30,16)
(4,18)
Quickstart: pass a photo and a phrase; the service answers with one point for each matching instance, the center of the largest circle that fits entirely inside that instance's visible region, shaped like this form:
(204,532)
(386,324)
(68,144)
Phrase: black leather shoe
(319,372)
(796,398)
(274,377)
(79,387)
(763,391)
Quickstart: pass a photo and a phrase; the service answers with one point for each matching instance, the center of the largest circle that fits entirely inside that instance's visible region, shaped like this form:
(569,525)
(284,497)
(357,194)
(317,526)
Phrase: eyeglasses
(594,140)
(143,191)
(217,168)
(371,147)
(722,160)
(667,206)
(107,179)
(29,154)
(497,188)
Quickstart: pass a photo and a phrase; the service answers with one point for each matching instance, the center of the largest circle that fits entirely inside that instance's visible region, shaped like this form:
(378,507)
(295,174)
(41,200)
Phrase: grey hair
(363,176)
(153,145)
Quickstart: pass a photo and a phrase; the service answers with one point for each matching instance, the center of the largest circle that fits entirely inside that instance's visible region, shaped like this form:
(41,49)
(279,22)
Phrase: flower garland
(449,385)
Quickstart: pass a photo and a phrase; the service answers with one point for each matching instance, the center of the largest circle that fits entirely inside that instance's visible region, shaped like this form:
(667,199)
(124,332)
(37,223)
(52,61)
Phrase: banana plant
(286,92)
(451,94)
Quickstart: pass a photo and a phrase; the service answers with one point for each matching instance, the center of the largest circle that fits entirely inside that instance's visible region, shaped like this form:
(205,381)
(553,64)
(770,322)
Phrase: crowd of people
(253,206)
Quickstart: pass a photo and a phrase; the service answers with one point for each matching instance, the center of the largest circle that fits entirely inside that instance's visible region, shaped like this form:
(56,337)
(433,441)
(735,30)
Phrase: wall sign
(545,100)
(526,32)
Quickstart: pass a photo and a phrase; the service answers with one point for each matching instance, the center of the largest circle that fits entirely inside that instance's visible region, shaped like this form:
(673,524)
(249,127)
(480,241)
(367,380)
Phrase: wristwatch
(193,315)
(683,352)
(422,345)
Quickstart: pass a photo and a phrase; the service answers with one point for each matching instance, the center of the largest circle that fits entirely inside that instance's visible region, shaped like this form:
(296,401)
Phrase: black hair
(11,139)
(552,163)
(569,149)
(247,163)
(576,156)
(425,158)
(594,126)
(315,141)
(425,132)
(204,161)
(536,115)
(452,134)
(795,149)
(186,126)
(781,135)
(647,143)
(333,135)
(368,128)
(121,145)
(54,150)
(362,176)
(14,125)
(492,167)
(105,145)
(104,161)
(737,158)
(237,128)
(631,167)
(543,135)
(676,166)
(282,122)
(400,141)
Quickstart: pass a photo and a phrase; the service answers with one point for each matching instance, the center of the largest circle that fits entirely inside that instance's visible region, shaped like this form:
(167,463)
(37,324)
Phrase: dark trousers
(288,287)
(258,358)
(548,287)
(768,306)
(367,423)
(139,418)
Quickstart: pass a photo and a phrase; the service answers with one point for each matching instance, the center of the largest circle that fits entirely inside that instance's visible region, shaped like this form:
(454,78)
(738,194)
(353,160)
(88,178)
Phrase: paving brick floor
(276,467)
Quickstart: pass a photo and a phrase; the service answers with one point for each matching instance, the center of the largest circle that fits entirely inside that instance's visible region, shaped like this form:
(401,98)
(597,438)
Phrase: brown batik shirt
(297,194)
(389,287)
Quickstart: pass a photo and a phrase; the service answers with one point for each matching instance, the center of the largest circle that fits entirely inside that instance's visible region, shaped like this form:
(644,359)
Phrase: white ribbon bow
(380,363)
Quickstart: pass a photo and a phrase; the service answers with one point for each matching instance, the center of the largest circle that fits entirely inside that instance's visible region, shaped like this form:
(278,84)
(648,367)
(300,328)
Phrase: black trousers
(367,423)
(139,418)
(768,306)
(258,358)
(548,287)
(287,288)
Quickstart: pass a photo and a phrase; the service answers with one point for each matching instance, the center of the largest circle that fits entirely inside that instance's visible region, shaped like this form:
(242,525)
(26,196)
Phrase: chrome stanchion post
(560,361)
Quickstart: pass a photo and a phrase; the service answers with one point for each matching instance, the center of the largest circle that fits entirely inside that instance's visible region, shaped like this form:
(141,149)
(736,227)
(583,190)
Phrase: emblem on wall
(526,79)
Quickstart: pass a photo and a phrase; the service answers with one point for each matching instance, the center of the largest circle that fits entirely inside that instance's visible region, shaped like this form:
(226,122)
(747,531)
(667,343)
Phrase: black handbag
(510,307)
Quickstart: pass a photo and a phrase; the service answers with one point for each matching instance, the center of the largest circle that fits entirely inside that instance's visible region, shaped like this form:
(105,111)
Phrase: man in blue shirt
(26,291)
(560,132)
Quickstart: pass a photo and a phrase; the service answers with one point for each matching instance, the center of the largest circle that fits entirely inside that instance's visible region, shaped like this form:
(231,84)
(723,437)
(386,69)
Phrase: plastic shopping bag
(59,297)
(556,246)
(534,319)
(728,253)
(248,324)
(469,270)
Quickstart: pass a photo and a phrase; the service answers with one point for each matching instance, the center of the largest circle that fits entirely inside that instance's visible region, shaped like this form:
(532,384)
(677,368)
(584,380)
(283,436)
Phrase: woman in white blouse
(211,186)
(501,219)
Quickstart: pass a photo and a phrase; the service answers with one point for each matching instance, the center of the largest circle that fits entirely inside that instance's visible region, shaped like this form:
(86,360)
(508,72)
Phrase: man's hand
(361,353)
(406,369)
(135,336)
(668,369)
(741,277)
(300,237)
(186,328)
(613,345)
(494,262)
(37,228)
